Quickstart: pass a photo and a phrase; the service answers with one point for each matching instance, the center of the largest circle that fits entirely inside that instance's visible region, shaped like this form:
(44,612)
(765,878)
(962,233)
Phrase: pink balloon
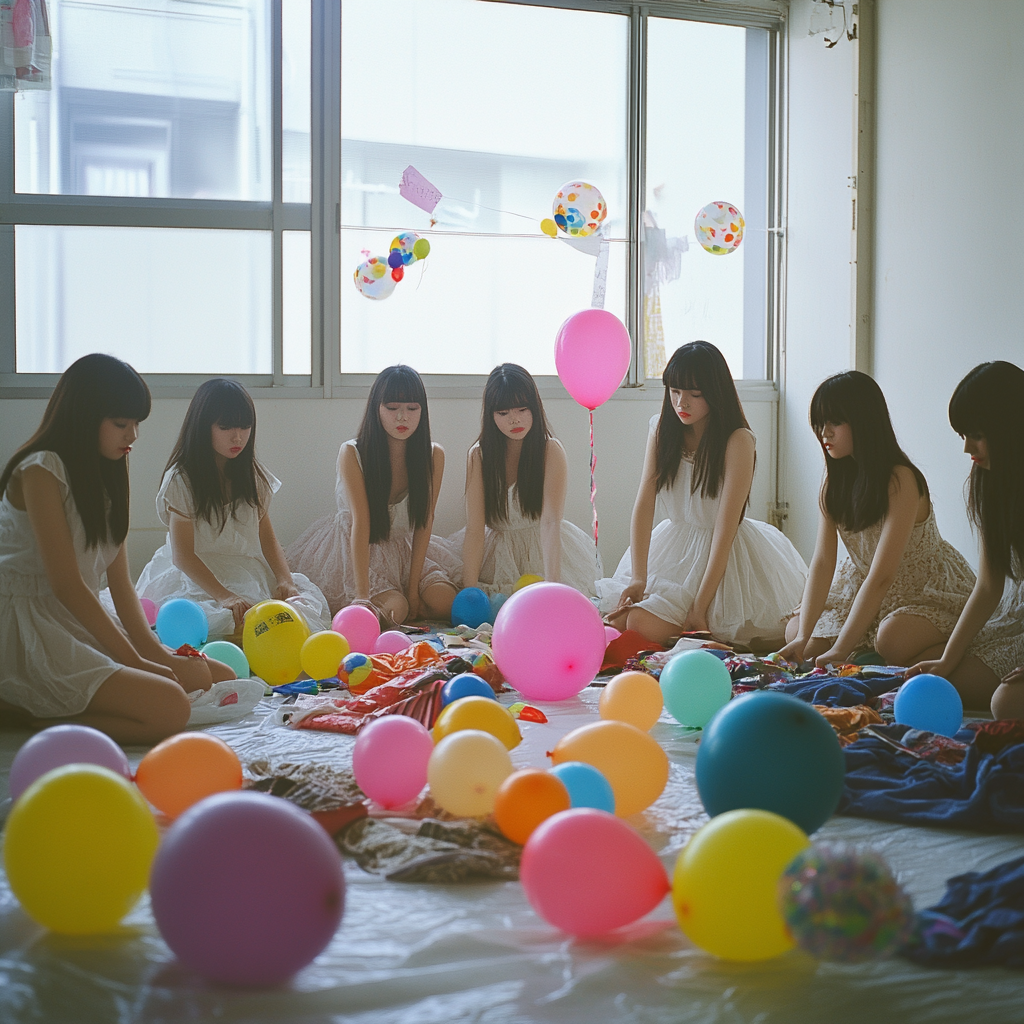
(359,626)
(592,356)
(391,642)
(548,641)
(209,893)
(611,633)
(390,759)
(60,745)
(585,894)
(149,609)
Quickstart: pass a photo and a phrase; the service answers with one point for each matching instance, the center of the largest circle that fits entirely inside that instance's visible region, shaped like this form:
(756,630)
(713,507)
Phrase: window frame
(322,216)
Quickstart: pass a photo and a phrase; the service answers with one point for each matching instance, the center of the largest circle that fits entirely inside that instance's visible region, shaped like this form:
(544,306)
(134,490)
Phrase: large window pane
(296,305)
(498,128)
(151,98)
(166,300)
(295,107)
(706,142)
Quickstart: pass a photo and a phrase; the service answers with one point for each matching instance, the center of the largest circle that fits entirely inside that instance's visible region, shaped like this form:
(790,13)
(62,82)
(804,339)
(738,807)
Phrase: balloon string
(593,492)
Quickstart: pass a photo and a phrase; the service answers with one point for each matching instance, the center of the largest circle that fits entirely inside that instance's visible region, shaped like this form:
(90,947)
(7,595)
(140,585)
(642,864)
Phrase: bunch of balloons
(376,276)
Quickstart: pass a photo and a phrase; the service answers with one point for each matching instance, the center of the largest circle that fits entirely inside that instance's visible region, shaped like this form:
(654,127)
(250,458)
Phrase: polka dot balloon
(373,279)
(406,248)
(719,228)
(579,209)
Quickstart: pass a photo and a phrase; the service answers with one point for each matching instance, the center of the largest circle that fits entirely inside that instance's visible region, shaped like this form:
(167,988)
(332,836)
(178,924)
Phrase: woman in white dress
(706,567)
(221,550)
(63,521)
(515,495)
(377,549)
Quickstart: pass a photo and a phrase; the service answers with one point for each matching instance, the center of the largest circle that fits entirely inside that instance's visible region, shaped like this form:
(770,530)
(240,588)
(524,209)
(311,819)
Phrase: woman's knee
(169,710)
(792,628)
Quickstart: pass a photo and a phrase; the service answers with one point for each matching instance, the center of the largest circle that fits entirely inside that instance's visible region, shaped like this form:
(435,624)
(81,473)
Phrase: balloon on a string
(578,209)
(592,356)
(719,228)
(372,278)
(406,248)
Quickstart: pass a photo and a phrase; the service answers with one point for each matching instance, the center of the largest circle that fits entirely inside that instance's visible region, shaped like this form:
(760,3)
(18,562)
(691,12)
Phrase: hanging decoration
(719,228)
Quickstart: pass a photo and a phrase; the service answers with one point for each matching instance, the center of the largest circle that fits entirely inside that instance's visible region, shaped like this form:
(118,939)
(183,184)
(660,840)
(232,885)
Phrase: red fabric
(991,737)
(403,695)
(626,645)
(388,666)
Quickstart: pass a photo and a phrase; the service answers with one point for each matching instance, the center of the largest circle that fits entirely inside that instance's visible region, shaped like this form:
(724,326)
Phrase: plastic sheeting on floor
(419,954)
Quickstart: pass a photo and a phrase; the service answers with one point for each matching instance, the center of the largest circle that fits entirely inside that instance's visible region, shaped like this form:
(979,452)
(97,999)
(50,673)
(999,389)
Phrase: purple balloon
(60,745)
(210,896)
(395,259)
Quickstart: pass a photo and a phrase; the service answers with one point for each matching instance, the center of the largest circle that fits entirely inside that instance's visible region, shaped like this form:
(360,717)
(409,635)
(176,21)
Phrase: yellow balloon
(547,225)
(272,639)
(477,712)
(78,846)
(632,762)
(633,697)
(725,882)
(466,770)
(322,653)
(525,580)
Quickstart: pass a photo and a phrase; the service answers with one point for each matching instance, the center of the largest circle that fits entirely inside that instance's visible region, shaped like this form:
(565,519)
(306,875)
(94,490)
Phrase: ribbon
(593,491)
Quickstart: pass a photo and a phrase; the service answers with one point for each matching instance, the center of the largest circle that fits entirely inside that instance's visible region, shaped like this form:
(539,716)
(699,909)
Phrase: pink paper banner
(418,190)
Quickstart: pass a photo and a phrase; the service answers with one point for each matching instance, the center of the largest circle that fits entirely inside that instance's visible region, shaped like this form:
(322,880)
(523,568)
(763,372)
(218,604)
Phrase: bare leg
(652,627)
(903,639)
(975,681)
(392,608)
(437,601)
(1008,700)
(617,618)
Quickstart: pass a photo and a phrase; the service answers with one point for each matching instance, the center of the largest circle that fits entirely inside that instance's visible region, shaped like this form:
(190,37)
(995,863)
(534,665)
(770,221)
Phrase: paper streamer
(600,276)
(593,493)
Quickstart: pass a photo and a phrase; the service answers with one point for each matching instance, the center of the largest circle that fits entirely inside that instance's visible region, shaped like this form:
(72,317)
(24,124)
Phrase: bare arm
(421,537)
(739,474)
(53,537)
(351,475)
(473,539)
(274,554)
(556,474)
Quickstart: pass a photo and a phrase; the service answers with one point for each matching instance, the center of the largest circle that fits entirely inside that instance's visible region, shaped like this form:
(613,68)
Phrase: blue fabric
(984,792)
(980,921)
(839,691)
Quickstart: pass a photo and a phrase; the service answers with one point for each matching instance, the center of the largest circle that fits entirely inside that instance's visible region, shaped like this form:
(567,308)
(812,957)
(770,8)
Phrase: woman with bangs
(221,550)
(984,655)
(902,587)
(63,523)
(516,476)
(706,568)
(377,549)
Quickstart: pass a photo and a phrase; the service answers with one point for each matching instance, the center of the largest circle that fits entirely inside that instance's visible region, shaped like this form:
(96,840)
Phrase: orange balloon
(633,697)
(631,761)
(184,769)
(525,799)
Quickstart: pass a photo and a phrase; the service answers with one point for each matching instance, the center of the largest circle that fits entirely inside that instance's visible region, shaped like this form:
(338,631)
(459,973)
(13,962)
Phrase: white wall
(950,222)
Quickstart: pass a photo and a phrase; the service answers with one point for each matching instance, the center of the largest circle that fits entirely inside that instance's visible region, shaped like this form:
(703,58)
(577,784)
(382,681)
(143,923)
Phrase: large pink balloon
(592,356)
(60,745)
(548,641)
(359,626)
(390,759)
(586,871)
(210,897)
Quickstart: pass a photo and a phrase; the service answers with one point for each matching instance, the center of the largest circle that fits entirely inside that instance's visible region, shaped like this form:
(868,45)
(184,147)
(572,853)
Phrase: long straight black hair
(698,366)
(92,389)
(856,492)
(509,386)
(226,403)
(395,384)
(990,401)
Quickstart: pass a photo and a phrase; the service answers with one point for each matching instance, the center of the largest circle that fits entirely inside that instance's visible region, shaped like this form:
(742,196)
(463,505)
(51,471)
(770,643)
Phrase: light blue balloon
(182,622)
(694,685)
(230,654)
(497,600)
(586,785)
(930,703)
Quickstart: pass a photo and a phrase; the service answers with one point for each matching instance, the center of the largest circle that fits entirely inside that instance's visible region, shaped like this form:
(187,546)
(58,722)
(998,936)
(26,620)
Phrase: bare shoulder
(437,453)
(554,451)
(742,439)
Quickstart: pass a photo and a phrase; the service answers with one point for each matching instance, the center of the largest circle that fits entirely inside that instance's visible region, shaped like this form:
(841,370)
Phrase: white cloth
(763,581)
(233,555)
(50,664)
(514,549)
(324,554)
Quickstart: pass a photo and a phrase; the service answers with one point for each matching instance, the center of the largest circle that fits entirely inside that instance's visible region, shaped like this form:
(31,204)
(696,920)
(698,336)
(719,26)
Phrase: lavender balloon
(60,745)
(210,896)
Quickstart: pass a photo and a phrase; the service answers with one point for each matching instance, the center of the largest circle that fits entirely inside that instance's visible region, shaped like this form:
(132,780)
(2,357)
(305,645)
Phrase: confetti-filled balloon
(843,904)
(407,248)
(579,209)
(719,228)
(372,278)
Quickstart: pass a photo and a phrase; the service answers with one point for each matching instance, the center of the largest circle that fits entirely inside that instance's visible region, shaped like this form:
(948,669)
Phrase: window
(200,181)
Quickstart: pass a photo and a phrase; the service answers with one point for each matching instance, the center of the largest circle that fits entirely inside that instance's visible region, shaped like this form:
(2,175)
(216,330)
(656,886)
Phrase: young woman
(378,549)
(63,522)
(985,411)
(221,550)
(515,494)
(706,567)
(903,587)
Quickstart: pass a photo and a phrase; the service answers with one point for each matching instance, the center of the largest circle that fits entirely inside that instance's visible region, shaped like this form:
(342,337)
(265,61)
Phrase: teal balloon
(694,685)
(230,654)
(497,600)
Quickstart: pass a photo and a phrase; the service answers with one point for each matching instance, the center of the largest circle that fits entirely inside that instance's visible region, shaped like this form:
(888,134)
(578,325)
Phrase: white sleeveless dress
(50,664)
(514,549)
(763,581)
(324,553)
(233,555)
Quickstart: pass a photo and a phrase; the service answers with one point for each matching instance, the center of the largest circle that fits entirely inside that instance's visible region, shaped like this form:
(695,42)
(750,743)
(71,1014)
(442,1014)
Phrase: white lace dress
(514,549)
(233,555)
(763,581)
(324,553)
(50,664)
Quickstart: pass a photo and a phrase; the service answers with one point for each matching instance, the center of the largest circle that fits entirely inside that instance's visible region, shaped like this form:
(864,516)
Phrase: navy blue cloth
(984,792)
(980,921)
(839,691)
